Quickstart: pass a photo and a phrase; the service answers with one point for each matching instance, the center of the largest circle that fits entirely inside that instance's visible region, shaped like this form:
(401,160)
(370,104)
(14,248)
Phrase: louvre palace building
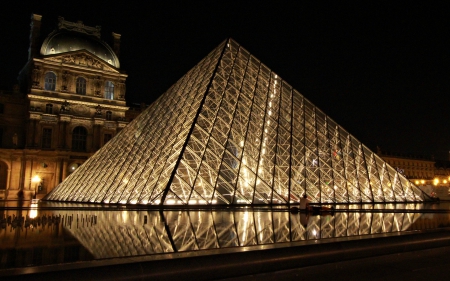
(69,102)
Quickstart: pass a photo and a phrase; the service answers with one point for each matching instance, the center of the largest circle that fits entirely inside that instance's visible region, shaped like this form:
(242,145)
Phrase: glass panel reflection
(32,236)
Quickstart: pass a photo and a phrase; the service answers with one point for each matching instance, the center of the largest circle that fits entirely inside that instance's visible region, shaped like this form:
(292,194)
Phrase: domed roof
(63,40)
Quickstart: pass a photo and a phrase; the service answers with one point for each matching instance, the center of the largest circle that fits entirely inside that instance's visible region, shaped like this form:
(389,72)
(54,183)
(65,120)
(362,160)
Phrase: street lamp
(36,179)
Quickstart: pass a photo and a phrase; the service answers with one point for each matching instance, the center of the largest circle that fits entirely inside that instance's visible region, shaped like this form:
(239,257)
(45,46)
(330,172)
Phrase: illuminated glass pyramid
(231,131)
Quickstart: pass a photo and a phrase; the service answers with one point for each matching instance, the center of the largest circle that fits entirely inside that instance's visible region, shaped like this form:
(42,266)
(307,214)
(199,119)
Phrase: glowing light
(417,182)
(192,201)
(36,178)
(335,186)
(241,143)
(422,181)
(170,202)
(445,181)
(33,211)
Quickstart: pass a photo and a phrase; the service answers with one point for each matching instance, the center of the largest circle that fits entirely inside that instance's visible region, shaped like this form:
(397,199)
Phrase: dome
(62,41)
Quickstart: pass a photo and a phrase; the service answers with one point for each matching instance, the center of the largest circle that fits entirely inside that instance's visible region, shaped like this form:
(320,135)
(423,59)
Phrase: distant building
(71,101)
(430,175)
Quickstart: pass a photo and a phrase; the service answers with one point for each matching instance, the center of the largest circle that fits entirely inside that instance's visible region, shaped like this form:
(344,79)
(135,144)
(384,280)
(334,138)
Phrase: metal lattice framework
(231,132)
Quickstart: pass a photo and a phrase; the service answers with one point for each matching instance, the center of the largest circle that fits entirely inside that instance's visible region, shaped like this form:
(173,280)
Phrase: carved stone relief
(121,90)
(66,81)
(97,86)
(79,109)
(82,59)
(36,76)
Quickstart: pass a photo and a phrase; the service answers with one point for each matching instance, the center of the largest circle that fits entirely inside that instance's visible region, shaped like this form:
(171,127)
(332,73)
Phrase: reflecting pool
(54,233)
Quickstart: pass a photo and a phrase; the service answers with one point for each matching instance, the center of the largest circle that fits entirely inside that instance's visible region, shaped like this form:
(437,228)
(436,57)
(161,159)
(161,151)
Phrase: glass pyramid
(232,132)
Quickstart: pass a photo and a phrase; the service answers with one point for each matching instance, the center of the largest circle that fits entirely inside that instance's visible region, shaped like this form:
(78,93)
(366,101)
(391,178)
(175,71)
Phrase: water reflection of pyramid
(231,131)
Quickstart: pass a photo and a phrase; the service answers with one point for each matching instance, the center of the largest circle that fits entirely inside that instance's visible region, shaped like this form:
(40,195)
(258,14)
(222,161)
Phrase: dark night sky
(379,70)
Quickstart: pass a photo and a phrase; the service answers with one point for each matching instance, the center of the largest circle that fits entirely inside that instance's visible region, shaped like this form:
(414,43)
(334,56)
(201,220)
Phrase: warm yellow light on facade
(417,182)
(445,181)
(422,181)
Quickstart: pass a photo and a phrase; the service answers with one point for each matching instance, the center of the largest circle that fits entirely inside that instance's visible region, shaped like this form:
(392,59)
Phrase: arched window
(108,115)
(109,90)
(79,136)
(49,108)
(50,81)
(81,86)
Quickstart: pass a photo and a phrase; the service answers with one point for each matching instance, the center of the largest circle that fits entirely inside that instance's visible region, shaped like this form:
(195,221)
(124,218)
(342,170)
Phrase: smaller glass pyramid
(231,132)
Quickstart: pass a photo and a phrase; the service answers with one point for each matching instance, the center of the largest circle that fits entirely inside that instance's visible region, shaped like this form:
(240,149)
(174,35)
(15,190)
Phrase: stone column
(64,171)
(58,172)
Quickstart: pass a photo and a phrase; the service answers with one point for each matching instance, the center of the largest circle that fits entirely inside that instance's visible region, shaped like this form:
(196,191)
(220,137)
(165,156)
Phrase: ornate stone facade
(71,102)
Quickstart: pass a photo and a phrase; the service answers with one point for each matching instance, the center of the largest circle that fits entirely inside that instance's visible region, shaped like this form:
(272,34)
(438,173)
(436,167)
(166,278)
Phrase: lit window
(108,115)
(46,138)
(79,137)
(81,86)
(49,108)
(50,81)
(109,90)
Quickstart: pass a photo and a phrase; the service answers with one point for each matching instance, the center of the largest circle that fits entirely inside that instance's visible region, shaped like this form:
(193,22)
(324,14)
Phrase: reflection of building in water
(232,132)
(39,240)
(432,221)
(69,235)
(70,102)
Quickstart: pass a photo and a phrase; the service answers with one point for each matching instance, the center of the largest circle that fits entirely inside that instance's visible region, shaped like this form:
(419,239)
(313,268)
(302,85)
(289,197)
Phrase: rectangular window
(49,108)
(106,138)
(109,90)
(46,138)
